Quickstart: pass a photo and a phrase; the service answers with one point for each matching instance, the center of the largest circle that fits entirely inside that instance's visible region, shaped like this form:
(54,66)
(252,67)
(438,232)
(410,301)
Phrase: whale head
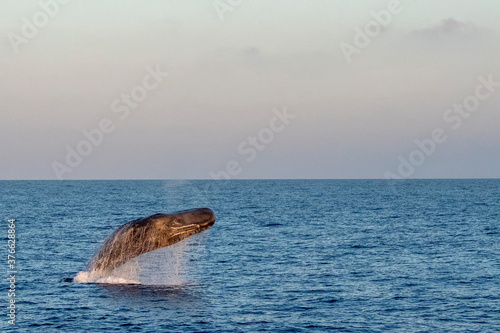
(178,226)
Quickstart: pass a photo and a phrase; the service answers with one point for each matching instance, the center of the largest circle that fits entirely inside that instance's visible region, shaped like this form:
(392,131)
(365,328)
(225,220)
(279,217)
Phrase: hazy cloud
(451,27)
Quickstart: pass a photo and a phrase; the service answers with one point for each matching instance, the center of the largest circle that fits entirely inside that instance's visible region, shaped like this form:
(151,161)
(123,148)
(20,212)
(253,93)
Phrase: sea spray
(165,266)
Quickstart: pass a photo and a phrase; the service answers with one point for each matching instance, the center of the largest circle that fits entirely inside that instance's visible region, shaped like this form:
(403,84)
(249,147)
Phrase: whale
(143,235)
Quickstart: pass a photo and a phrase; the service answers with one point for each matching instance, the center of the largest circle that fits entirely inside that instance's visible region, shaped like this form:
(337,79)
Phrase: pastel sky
(255,89)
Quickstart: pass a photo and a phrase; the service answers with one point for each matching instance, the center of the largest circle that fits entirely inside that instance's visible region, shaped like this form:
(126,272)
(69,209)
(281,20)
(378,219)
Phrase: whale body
(148,234)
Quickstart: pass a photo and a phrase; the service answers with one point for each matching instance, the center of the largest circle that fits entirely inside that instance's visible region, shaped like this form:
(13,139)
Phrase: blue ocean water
(283,256)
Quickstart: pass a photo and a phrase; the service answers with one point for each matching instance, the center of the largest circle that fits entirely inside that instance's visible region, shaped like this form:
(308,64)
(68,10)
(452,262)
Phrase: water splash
(165,266)
(87,277)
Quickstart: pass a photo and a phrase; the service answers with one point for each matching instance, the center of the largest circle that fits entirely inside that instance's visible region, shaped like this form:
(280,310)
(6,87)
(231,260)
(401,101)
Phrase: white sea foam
(88,277)
(116,280)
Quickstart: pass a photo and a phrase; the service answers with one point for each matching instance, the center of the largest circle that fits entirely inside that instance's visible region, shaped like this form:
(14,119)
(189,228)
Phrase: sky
(249,89)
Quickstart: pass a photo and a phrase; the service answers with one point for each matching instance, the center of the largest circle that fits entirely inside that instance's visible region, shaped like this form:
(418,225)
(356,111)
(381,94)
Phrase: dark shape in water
(148,234)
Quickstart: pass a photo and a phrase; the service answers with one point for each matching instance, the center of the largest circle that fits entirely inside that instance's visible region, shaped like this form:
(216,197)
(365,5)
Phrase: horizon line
(203,179)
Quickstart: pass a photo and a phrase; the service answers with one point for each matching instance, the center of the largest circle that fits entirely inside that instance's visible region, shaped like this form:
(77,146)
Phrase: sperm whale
(148,234)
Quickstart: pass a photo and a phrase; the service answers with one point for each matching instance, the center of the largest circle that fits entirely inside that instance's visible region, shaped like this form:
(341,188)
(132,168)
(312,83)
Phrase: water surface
(283,255)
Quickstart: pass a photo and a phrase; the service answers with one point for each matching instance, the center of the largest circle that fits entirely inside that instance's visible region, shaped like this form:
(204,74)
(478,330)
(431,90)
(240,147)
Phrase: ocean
(282,256)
